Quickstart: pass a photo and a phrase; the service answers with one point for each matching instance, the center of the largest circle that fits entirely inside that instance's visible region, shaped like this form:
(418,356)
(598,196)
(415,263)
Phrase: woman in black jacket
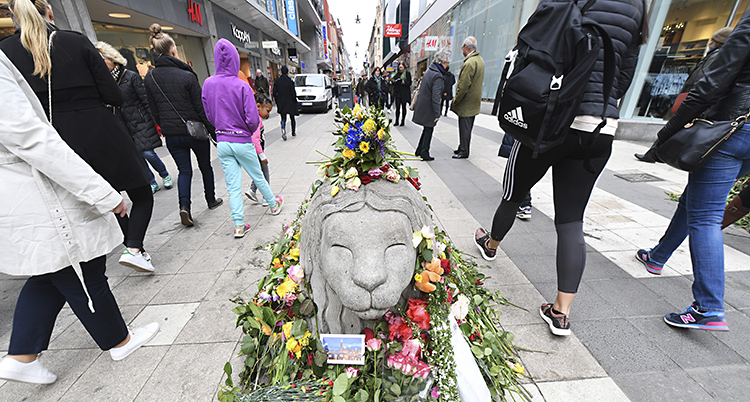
(427,108)
(375,88)
(134,112)
(575,168)
(450,80)
(724,92)
(174,96)
(81,86)
(401,91)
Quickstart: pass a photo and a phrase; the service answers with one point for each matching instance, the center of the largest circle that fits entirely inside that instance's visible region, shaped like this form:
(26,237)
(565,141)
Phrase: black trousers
(135,224)
(400,110)
(445,104)
(423,148)
(43,296)
(572,184)
(465,125)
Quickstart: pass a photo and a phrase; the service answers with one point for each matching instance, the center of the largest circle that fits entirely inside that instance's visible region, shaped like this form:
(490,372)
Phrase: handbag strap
(49,76)
(167,98)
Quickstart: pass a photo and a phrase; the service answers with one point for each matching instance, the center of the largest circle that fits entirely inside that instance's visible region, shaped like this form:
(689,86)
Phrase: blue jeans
(180,146)
(283,122)
(156,163)
(234,157)
(699,214)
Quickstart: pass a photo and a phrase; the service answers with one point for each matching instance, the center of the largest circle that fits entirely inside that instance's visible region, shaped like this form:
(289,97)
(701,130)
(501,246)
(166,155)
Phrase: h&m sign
(194,12)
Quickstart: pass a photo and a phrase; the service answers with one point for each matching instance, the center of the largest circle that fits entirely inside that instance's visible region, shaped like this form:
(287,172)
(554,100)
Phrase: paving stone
(737,287)
(592,389)
(726,383)
(139,290)
(598,266)
(674,290)
(736,337)
(172,318)
(212,321)
(185,288)
(208,260)
(528,300)
(657,386)
(631,298)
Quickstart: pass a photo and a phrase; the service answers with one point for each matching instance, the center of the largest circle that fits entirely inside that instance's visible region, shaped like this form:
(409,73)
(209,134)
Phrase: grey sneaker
(252,196)
(283,134)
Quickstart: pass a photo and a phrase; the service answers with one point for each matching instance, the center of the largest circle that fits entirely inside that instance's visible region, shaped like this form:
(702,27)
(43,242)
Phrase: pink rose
(435,393)
(392,175)
(351,372)
(375,172)
(423,370)
(374,344)
(296,273)
(411,348)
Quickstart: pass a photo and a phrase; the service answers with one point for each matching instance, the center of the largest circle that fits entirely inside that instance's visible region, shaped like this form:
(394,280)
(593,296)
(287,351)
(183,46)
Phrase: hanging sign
(270,44)
(392,30)
(431,43)
(291,17)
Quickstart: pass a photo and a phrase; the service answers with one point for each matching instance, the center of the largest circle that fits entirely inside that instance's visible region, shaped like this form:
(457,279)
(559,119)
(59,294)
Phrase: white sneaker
(138,338)
(251,195)
(34,372)
(140,262)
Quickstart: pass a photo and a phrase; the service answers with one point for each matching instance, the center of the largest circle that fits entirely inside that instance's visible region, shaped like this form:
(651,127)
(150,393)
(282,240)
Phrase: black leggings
(572,185)
(134,226)
(400,109)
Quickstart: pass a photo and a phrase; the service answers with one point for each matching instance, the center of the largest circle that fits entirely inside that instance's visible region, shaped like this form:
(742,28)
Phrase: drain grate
(638,177)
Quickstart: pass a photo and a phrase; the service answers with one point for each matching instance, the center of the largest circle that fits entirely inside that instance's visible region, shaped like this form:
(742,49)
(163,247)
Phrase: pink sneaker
(276,209)
(239,231)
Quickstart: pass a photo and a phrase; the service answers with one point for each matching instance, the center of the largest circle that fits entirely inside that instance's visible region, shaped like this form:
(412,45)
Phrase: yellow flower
(364,146)
(296,236)
(417,278)
(287,286)
(348,153)
(369,126)
(305,340)
(287,328)
(334,190)
(346,128)
(294,253)
(516,367)
(291,344)
(381,133)
(277,263)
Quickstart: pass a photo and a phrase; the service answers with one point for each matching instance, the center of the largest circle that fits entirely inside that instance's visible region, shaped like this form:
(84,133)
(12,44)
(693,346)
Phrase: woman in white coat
(56,226)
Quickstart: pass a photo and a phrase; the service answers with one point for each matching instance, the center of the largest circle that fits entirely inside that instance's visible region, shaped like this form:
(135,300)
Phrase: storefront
(244,37)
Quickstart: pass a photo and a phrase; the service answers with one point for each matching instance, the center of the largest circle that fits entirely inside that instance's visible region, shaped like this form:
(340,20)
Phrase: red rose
(310,359)
(417,312)
(446,265)
(368,334)
(399,329)
(366,179)
(385,167)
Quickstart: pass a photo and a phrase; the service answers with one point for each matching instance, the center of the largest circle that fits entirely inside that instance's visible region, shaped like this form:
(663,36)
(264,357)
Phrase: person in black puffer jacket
(723,94)
(134,112)
(174,97)
(575,168)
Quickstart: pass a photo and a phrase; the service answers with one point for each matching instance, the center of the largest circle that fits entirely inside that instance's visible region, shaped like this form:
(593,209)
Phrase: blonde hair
(110,53)
(30,16)
(161,41)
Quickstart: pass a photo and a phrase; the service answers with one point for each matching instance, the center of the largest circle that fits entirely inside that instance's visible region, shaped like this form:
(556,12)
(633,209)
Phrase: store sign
(445,42)
(325,42)
(392,30)
(431,43)
(244,37)
(291,17)
(270,44)
(271,8)
(194,12)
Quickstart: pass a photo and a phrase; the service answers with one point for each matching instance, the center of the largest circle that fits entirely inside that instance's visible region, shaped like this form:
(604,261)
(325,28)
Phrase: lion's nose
(370,272)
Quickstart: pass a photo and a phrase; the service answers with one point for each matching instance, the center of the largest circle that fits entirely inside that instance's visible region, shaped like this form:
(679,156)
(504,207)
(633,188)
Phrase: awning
(251,12)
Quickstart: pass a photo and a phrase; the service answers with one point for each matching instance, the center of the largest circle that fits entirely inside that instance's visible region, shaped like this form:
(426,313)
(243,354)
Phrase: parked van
(314,91)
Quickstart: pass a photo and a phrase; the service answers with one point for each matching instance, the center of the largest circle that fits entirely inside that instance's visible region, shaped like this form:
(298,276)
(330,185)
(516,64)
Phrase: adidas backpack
(546,73)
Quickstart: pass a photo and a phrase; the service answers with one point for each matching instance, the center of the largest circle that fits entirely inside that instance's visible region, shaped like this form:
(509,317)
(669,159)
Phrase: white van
(314,91)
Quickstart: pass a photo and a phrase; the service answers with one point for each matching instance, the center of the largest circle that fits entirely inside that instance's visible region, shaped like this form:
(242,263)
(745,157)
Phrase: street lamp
(357,20)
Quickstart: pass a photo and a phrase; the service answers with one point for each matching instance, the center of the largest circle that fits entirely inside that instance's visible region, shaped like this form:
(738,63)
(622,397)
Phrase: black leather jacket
(725,88)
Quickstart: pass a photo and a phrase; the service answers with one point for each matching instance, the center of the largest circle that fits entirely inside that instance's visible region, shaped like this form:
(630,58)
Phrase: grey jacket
(427,109)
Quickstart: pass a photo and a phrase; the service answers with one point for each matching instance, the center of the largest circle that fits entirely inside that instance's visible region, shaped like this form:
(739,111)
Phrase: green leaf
(338,399)
(248,345)
(228,370)
(477,351)
(298,328)
(307,307)
(487,352)
(340,385)
(320,358)
(478,300)
(396,389)
(427,254)
(362,395)
(377,395)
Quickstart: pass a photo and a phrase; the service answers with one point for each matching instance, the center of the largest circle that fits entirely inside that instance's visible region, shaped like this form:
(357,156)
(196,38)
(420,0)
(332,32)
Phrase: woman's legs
(135,224)
(294,124)
(266,175)
(179,147)
(155,162)
(423,148)
(233,178)
(202,151)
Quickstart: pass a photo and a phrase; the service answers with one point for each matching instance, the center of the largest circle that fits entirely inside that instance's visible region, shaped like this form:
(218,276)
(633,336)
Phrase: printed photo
(344,349)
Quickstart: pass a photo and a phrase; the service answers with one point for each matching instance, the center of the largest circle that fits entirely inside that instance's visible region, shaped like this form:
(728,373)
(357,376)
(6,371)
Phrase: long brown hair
(30,17)
(162,42)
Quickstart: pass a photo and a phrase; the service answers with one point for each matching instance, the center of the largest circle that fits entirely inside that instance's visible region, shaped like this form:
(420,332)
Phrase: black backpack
(546,73)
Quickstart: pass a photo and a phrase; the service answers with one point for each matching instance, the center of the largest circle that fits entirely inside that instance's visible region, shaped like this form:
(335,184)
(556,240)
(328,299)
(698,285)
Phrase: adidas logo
(515,116)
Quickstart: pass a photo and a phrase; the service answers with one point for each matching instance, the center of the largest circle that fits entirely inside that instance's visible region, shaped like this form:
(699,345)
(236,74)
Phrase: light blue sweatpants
(234,157)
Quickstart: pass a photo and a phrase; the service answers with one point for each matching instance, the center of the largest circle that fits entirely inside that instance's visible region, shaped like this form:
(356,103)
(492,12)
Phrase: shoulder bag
(690,147)
(196,130)
(414,96)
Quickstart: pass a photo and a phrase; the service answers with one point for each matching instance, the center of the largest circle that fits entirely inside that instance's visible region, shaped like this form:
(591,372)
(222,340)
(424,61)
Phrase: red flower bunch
(366,179)
(397,327)
(446,265)
(417,312)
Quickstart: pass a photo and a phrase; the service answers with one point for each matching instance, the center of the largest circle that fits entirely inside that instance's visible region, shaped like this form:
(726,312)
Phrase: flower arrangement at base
(409,352)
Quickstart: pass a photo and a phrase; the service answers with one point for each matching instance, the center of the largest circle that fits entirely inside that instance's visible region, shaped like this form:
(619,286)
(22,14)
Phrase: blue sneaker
(692,318)
(154,188)
(644,256)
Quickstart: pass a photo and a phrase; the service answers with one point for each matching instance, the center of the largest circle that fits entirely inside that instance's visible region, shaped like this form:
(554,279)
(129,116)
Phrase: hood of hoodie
(226,58)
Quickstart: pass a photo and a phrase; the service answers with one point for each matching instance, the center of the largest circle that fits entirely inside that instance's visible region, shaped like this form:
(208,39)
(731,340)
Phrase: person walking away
(230,105)
(362,91)
(468,97)
(723,94)
(450,80)
(375,89)
(265,105)
(286,101)
(261,83)
(174,96)
(427,108)
(717,39)
(524,210)
(572,181)
(81,86)
(135,113)
(387,89)
(401,91)
(56,223)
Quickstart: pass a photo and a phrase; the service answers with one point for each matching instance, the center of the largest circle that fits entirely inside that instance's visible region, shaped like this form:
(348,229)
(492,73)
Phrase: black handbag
(690,147)
(196,130)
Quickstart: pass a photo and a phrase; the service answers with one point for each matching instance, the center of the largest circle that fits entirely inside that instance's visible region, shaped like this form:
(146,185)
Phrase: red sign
(392,30)
(194,12)
(431,43)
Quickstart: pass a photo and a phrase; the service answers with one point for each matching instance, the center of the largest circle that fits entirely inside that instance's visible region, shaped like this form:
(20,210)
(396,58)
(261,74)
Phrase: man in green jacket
(468,97)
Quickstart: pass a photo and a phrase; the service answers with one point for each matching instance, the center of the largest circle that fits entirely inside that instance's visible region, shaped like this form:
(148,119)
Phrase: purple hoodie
(228,100)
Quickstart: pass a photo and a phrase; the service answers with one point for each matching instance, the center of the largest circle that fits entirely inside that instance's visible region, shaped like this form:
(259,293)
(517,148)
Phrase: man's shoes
(460,156)
(427,158)
(523,213)
(644,257)
(140,261)
(276,209)
(559,324)
(138,338)
(167,182)
(252,196)
(215,203)
(294,134)
(185,217)
(33,373)
(482,240)
(239,231)
(648,157)
(154,188)
(283,134)
(693,318)
(456,152)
